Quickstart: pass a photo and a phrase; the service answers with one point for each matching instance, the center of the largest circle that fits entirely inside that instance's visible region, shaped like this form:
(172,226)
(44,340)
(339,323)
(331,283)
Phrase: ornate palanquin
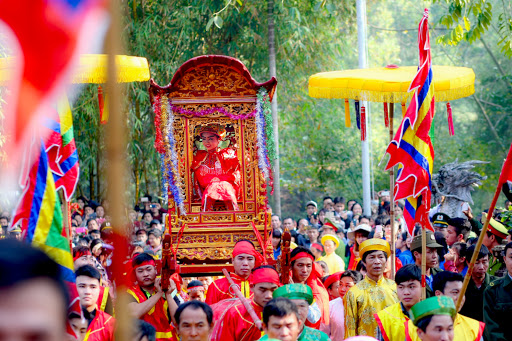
(211,90)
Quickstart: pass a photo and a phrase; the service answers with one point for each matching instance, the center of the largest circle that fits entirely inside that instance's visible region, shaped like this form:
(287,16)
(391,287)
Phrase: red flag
(506,171)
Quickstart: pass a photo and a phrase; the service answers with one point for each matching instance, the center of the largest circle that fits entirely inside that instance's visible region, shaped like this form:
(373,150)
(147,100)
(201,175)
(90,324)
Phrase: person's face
(409,293)
(154,241)
(243,264)
(288,223)
(334,290)
(360,237)
(148,217)
(321,216)
(375,264)
(310,209)
(364,221)
(96,235)
(197,295)
(328,205)
(100,212)
(88,210)
(4,222)
(80,203)
(78,219)
(317,253)
(345,284)
(206,281)
(79,325)
(398,211)
(325,268)
(508,261)
(452,290)
(400,243)
(132,216)
(263,292)
(357,209)
(84,260)
(93,225)
(145,275)
(32,310)
(443,229)
(481,267)
(451,235)
(339,207)
(275,222)
(432,257)
(210,141)
(301,269)
(327,230)
(193,325)
(312,234)
(440,328)
(275,242)
(284,328)
(89,290)
(329,247)
(142,237)
(303,308)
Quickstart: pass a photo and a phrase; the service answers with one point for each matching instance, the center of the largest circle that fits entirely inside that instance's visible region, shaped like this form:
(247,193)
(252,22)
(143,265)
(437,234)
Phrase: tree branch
(497,64)
(495,133)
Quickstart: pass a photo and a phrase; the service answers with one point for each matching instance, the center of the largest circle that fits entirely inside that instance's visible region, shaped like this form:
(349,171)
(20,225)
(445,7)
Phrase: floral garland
(209,111)
(265,135)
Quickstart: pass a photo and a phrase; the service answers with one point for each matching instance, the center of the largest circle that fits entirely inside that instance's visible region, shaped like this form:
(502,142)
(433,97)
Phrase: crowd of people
(345,280)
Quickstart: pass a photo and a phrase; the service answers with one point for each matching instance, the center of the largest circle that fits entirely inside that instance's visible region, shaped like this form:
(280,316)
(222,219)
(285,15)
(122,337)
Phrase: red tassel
(101,103)
(404,110)
(386,115)
(363,123)
(451,130)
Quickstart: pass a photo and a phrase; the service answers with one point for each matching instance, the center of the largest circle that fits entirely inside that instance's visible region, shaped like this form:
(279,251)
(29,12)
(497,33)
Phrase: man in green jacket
(498,304)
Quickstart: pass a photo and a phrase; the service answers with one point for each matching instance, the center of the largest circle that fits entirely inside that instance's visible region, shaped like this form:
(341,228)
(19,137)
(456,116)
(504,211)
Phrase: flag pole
(507,164)
(391,196)
(423,262)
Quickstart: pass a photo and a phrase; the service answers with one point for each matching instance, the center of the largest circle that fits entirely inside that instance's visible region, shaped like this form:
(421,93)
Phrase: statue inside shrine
(216,170)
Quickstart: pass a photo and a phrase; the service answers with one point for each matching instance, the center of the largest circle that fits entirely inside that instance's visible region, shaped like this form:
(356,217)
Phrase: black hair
(194,305)
(484,251)
(155,233)
(89,220)
(409,272)
(462,226)
(441,240)
(88,271)
(280,307)
(499,240)
(361,217)
(424,322)
(141,231)
(145,329)
(508,246)
(326,197)
(154,222)
(338,200)
(141,258)
(443,277)
(194,283)
(461,249)
(289,218)
(4,217)
(363,259)
(264,267)
(275,215)
(245,240)
(360,267)
(276,233)
(299,249)
(355,275)
(21,263)
(95,242)
(95,231)
(80,249)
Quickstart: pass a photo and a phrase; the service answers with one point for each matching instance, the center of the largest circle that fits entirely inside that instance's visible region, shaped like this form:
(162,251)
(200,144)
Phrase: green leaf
(218,21)
(209,24)
(467,24)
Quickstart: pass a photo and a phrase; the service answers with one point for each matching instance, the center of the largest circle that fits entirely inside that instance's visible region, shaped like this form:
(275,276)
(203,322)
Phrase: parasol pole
(115,149)
(391,196)
(365,150)
(502,180)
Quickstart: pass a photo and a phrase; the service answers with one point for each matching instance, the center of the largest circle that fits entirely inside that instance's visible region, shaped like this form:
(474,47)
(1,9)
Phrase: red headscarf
(80,253)
(265,275)
(135,267)
(245,247)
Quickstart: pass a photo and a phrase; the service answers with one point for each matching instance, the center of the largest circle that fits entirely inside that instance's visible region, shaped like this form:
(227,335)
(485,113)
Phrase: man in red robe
(149,302)
(216,171)
(100,325)
(305,271)
(236,324)
(245,258)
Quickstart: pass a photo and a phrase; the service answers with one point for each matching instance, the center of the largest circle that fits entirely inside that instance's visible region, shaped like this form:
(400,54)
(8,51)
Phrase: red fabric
(217,176)
(506,171)
(265,275)
(158,316)
(317,246)
(332,279)
(237,325)
(245,247)
(219,290)
(320,295)
(101,327)
(135,267)
(301,255)
(353,261)
(79,254)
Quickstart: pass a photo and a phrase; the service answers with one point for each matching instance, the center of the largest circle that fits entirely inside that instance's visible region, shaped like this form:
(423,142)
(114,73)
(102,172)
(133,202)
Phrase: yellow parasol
(92,68)
(390,84)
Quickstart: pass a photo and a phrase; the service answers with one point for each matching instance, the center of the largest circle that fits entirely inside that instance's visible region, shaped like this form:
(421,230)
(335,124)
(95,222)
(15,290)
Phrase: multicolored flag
(40,214)
(61,150)
(412,148)
(49,35)
(506,176)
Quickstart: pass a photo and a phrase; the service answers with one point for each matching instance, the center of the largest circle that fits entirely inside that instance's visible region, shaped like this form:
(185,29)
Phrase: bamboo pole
(505,169)
(423,263)
(115,149)
(391,196)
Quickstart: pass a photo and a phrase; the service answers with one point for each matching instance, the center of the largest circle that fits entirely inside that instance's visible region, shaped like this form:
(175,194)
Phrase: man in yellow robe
(392,320)
(372,294)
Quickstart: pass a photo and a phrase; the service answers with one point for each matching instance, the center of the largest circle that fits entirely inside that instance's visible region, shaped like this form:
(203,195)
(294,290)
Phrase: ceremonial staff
(505,175)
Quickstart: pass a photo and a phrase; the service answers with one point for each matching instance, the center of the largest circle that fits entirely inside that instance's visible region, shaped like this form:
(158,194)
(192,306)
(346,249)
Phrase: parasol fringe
(390,97)
(347,114)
